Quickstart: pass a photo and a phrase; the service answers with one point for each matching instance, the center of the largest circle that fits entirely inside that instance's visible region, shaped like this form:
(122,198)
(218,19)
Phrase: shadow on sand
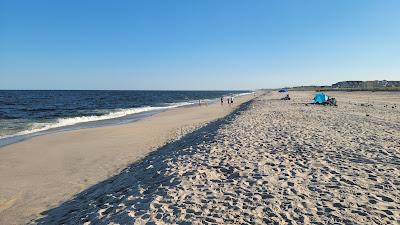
(134,188)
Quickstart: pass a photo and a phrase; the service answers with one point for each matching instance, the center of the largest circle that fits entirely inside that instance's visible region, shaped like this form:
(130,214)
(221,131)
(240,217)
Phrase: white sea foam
(242,94)
(64,122)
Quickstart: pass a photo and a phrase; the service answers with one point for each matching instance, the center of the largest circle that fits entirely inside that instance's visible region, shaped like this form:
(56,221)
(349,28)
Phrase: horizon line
(129,89)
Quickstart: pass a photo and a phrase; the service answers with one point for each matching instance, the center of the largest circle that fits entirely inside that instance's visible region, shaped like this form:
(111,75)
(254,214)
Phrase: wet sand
(268,162)
(45,171)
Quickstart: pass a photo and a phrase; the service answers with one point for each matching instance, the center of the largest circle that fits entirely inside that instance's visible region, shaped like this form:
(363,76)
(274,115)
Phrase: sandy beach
(268,162)
(42,172)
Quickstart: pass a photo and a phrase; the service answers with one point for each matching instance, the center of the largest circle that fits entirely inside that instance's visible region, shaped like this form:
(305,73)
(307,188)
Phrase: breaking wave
(64,122)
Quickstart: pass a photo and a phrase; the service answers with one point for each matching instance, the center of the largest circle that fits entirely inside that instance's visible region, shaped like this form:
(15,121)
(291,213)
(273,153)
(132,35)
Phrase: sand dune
(268,162)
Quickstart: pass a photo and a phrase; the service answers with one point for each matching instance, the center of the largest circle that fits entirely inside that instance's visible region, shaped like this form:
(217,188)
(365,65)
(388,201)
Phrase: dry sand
(269,162)
(41,173)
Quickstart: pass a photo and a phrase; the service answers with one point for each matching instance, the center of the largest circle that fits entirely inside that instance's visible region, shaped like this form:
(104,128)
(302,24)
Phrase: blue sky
(200,44)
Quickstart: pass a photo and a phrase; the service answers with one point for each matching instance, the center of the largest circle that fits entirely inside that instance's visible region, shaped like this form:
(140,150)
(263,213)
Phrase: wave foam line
(63,122)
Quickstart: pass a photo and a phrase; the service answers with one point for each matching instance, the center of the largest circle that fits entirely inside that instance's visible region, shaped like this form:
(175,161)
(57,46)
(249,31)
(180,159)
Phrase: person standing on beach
(222,100)
(232,100)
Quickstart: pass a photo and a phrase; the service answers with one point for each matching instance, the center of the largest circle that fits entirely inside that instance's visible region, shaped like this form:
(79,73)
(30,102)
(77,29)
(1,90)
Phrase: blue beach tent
(320,98)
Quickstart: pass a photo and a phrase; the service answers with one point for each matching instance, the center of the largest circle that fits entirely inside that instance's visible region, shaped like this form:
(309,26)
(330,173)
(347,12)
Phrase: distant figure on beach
(231,100)
(287,97)
(222,100)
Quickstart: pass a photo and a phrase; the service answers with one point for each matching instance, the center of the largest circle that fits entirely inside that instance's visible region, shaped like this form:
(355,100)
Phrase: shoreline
(79,126)
(113,121)
(41,172)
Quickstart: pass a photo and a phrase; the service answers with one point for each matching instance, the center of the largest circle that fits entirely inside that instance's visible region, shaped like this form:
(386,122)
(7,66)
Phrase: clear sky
(196,44)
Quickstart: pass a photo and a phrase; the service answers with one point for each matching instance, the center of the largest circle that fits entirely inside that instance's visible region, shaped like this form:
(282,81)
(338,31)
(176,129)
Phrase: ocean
(25,114)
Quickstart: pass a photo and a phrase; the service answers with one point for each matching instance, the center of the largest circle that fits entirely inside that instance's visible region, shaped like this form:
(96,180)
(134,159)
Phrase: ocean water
(26,113)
